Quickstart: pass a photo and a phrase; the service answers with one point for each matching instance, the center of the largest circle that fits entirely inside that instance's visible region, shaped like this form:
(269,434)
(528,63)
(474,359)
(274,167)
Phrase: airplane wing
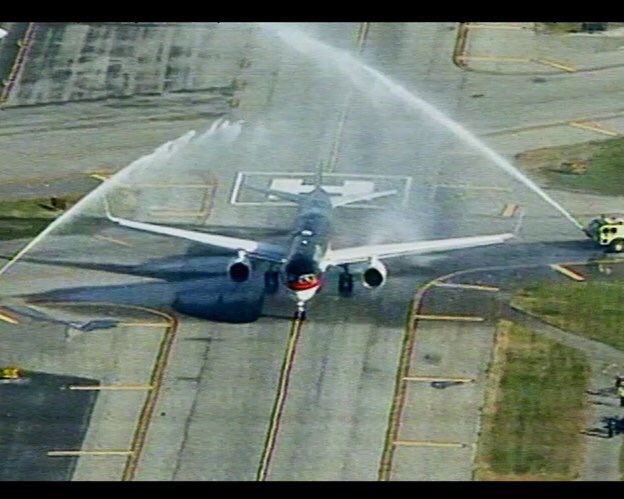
(361,253)
(260,250)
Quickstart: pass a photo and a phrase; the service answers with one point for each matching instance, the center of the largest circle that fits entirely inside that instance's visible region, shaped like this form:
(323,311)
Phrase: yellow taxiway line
(524,60)
(165,212)
(280,399)
(429,443)
(494,26)
(8,317)
(99,176)
(362,34)
(143,324)
(557,65)
(509,210)
(59,453)
(466,286)
(594,127)
(438,378)
(156,377)
(111,387)
(465,318)
(113,240)
(568,272)
(151,397)
(494,58)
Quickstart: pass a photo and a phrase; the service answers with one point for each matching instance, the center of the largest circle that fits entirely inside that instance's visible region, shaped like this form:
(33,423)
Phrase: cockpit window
(300,266)
(303,278)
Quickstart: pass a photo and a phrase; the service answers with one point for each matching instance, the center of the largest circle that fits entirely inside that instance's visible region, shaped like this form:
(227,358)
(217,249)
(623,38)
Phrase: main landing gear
(345,283)
(271,281)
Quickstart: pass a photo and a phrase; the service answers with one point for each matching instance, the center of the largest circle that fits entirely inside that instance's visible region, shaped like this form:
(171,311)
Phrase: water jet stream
(358,72)
(221,129)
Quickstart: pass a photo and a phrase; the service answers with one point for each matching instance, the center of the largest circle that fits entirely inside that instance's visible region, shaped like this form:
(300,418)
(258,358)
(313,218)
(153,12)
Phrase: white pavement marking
(296,186)
(236,188)
(466,286)
(293,182)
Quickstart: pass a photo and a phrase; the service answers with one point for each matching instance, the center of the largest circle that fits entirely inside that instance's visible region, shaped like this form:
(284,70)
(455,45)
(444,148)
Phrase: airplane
(309,255)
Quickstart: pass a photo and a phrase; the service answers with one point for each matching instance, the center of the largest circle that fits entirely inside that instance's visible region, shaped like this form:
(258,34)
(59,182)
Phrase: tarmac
(213,384)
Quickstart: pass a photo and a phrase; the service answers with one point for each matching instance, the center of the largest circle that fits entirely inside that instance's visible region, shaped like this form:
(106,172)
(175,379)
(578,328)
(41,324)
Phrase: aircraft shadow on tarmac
(197,286)
(196,283)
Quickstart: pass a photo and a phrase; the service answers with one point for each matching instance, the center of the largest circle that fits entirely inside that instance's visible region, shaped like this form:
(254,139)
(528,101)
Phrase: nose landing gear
(300,313)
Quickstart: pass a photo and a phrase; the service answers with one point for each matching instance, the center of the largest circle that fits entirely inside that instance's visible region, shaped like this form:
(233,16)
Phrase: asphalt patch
(39,414)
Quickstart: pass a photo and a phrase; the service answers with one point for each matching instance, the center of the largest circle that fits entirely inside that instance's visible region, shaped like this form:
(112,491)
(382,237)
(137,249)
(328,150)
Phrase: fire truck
(607,231)
(12,375)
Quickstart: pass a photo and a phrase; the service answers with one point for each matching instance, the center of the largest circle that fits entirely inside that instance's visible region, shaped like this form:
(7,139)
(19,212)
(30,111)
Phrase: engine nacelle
(239,269)
(374,276)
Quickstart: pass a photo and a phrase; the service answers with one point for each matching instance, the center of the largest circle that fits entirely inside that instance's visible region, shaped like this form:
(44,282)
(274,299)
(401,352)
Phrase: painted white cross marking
(296,186)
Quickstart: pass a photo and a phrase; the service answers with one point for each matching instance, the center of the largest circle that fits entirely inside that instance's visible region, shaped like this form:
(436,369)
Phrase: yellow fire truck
(607,230)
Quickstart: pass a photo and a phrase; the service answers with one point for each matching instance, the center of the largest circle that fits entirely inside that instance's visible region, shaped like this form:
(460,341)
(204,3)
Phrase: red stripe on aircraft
(302,286)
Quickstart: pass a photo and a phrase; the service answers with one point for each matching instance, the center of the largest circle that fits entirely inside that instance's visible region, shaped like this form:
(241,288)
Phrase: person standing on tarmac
(611,427)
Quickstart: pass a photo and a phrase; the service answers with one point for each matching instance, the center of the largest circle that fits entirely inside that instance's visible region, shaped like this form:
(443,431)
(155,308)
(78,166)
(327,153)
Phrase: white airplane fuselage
(303,270)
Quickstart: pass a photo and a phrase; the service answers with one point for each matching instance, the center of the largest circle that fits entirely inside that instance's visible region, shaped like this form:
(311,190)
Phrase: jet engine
(374,276)
(239,269)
